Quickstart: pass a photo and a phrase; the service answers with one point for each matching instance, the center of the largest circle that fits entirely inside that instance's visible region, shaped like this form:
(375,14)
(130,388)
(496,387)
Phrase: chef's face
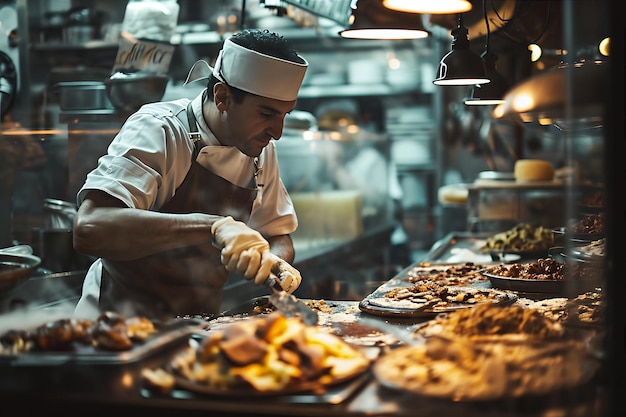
(254,121)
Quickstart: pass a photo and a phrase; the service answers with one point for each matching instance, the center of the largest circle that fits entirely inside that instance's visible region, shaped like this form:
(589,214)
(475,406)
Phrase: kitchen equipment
(128,92)
(15,268)
(83,95)
(288,304)
(62,213)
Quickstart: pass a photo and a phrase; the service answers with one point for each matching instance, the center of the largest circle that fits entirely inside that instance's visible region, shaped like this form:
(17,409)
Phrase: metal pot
(83,95)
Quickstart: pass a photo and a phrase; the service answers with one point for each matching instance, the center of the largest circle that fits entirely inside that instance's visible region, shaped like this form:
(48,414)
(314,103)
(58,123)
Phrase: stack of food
(265,355)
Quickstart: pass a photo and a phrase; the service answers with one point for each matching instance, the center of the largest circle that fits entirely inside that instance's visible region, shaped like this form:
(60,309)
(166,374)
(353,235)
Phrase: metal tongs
(288,304)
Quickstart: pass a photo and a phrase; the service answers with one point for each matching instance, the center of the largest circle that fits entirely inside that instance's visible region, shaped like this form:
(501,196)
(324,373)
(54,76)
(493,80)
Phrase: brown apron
(183,281)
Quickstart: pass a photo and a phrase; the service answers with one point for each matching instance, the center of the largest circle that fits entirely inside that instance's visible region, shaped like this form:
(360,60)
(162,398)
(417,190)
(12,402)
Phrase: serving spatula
(288,304)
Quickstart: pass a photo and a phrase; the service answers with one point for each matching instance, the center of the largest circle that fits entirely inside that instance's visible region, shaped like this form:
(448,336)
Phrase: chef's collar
(252,71)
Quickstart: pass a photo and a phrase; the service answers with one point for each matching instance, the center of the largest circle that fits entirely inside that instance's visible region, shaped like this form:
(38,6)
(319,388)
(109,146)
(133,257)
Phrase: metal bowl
(15,269)
(128,92)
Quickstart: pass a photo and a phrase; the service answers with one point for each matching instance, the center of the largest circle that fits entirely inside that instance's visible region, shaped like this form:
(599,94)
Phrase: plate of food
(546,275)
(266,355)
(592,202)
(427,299)
(586,228)
(458,370)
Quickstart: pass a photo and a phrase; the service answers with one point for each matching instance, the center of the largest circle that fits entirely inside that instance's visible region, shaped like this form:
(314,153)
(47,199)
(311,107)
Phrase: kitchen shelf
(65,46)
(353,90)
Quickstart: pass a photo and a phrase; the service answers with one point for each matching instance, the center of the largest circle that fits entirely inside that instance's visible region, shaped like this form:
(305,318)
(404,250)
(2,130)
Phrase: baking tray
(168,334)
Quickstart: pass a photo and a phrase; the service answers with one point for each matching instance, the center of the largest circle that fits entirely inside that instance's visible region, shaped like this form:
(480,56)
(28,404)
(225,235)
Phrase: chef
(189,191)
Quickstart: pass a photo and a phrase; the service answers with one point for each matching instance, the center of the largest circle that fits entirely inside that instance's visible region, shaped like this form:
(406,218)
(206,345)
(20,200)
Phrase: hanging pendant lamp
(369,20)
(461,66)
(546,96)
(429,6)
(491,93)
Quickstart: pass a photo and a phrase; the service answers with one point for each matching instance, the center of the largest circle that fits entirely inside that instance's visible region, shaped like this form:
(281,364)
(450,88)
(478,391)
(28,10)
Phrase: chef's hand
(289,276)
(243,248)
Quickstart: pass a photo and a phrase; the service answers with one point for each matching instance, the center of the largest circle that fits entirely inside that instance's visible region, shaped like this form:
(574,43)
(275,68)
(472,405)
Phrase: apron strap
(194,134)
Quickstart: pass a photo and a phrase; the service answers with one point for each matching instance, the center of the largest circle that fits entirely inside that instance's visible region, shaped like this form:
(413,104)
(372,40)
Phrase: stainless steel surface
(83,95)
(400,333)
(131,92)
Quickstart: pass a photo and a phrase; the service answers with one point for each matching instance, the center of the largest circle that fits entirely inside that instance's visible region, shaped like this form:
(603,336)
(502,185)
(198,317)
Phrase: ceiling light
(535,52)
(429,6)
(461,66)
(369,20)
(605,46)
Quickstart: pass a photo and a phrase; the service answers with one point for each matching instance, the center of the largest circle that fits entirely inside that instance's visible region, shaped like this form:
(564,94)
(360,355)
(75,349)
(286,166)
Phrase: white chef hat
(252,71)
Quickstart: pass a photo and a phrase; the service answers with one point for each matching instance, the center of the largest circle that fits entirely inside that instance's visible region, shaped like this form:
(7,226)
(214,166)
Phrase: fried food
(459,370)
(493,322)
(110,331)
(269,354)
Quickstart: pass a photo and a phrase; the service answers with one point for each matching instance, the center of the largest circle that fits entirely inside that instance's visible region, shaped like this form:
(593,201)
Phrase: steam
(40,300)
(31,317)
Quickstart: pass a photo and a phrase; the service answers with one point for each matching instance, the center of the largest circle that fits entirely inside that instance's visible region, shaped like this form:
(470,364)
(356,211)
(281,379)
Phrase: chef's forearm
(124,233)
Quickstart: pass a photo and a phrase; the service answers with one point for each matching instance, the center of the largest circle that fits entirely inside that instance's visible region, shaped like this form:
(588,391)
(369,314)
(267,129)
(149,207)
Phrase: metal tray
(168,334)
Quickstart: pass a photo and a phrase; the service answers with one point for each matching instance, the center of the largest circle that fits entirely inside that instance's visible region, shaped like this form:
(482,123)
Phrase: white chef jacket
(151,155)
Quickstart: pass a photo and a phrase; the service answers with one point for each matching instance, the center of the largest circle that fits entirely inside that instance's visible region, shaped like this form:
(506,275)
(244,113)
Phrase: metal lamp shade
(461,66)
(493,92)
(429,6)
(370,20)
(547,97)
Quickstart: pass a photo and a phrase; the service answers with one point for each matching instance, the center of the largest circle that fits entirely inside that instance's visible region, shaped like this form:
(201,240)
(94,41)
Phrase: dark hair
(262,41)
